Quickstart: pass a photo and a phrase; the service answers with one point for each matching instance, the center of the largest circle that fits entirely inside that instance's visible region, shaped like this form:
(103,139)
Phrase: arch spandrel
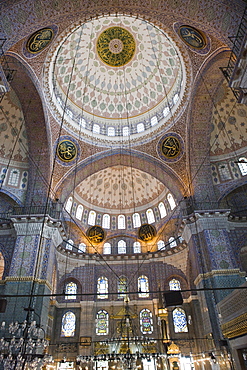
(37,128)
(199,130)
(141,161)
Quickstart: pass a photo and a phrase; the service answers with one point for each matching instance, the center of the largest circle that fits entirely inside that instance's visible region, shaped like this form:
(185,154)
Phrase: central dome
(115,78)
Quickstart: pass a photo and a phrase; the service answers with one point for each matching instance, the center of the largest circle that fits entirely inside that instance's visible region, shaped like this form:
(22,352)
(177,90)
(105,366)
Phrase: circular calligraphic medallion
(146,232)
(116,46)
(39,40)
(170,147)
(96,234)
(66,150)
(192,37)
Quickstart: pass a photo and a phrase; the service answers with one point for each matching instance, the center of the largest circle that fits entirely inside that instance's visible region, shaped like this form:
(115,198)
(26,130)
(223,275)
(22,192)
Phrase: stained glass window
(82,248)
(14,177)
(106,221)
(146,321)
(150,216)
(68,324)
(122,287)
(179,320)
(154,120)
(143,287)
(172,242)
(136,220)
(69,244)
(125,131)
(174,284)
(137,247)
(161,245)
(91,218)
(70,290)
(102,322)
(162,209)
(121,222)
(102,288)
(171,201)
(69,204)
(242,164)
(121,246)
(224,172)
(107,248)
(111,131)
(79,212)
(140,127)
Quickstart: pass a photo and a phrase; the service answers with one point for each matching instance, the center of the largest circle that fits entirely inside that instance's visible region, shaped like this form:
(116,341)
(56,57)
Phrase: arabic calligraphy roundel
(96,234)
(66,150)
(39,40)
(171,147)
(116,46)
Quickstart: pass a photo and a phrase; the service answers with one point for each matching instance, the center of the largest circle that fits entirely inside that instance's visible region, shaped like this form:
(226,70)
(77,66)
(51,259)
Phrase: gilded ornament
(116,46)
(170,147)
(146,232)
(95,234)
(66,150)
(39,40)
(192,37)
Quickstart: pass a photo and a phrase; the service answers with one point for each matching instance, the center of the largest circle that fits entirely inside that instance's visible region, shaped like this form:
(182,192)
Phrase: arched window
(137,247)
(146,321)
(102,323)
(68,324)
(172,242)
(140,127)
(143,287)
(171,201)
(102,288)
(224,172)
(166,111)
(161,245)
(242,164)
(82,122)
(82,248)
(126,131)
(107,248)
(154,120)
(69,204)
(174,284)
(106,221)
(69,244)
(122,287)
(79,212)
(179,321)
(121,222)
(162,210)
(96,129)
(136,220)
(111,131)
(91,218)
(150,216)
(1,266)
(175,98)
(70,290)
(14,177)
(121,247)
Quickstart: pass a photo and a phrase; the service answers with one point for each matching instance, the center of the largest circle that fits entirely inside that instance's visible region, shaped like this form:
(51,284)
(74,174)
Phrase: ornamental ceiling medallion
(96,234)
(192,37)
(39,40)
(195,39)
(125,72)
(146,232)
(171,147)
(66,150)
(116,46)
